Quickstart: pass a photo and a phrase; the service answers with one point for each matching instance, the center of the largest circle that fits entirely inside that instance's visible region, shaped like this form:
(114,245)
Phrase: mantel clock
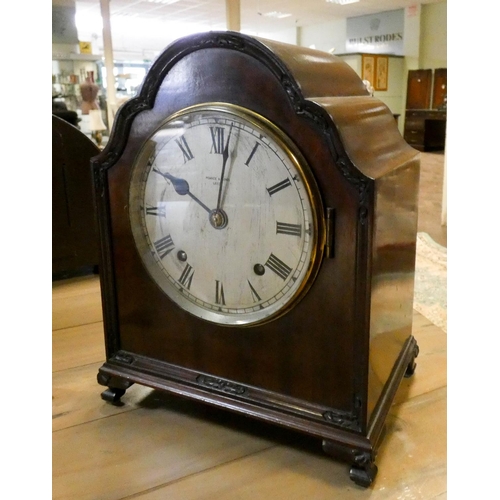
(257,212)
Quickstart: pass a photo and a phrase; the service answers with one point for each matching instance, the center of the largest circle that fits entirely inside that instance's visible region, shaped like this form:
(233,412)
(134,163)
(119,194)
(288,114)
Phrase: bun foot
(113,395)
(410,370)
(363,476)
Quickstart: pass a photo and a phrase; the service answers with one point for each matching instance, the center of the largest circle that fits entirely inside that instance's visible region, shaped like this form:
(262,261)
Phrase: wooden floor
(158,447)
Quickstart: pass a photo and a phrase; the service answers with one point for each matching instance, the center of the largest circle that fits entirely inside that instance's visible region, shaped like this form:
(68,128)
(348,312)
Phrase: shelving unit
(68,71)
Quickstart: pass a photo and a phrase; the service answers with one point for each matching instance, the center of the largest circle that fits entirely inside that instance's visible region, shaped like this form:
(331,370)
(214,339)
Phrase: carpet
(430,298)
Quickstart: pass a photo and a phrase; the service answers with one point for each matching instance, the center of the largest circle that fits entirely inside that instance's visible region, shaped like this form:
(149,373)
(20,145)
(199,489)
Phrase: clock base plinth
(342,442)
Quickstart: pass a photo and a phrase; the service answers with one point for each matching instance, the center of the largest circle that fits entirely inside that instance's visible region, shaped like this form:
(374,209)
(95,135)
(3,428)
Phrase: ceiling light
(277,15)
(342,2)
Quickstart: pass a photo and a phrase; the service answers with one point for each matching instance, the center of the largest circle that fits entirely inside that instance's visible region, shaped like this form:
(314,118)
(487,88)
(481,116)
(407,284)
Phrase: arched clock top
(304,75)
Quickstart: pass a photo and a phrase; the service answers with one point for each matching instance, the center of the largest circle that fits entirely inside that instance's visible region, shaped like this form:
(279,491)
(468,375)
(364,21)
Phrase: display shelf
(68,72)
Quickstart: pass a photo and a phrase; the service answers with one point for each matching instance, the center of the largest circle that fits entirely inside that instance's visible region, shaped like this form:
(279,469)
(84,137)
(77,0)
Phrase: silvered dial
(224,215)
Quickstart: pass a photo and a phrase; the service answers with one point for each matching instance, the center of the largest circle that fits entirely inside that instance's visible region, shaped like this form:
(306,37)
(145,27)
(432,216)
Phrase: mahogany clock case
(330,366)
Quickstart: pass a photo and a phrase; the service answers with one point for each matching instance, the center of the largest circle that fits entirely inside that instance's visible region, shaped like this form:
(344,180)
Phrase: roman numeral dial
(186,278)
(217,134)
(289,229)
(158,211)
(278,267)
(164,246)
(219,293)
(278,187)
(223,217)
(255,295)
(186,151)
(252,153)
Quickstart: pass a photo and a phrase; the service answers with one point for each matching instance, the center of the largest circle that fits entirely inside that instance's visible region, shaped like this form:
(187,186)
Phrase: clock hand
(181,187)
(225,156)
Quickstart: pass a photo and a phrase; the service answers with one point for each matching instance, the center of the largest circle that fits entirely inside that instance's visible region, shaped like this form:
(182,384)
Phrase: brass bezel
(292,152)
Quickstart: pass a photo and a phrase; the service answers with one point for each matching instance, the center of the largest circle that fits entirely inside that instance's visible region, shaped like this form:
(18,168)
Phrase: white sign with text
(380,33)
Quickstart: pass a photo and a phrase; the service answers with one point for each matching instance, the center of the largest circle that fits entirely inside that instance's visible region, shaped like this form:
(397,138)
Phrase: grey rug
(430,298)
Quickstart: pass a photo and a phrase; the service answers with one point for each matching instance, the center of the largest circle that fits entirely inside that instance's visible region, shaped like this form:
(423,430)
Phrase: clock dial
(225,215)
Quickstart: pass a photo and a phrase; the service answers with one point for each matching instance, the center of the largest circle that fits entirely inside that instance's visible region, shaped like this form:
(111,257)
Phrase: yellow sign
(85,48)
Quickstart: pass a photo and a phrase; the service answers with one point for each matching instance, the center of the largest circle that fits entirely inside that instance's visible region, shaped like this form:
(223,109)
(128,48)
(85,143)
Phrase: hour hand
(181,187)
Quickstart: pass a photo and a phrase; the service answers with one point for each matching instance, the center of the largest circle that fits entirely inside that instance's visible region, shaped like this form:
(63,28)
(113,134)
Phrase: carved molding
(348,419)
(344,419)
(361,183)
(122,357)
(221,385)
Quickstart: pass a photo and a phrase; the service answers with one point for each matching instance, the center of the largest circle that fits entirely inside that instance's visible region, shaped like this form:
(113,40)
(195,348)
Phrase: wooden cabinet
(440,88)
(418,94)
(74,225)
(425,122)
(425,130)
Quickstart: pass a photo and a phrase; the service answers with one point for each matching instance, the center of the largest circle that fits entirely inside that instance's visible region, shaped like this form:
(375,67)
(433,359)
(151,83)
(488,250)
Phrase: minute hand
(181,187)
(225,156)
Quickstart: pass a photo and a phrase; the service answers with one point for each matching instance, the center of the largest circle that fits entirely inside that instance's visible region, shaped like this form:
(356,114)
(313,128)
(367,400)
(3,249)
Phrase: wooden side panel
(375,146)
(392,273)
